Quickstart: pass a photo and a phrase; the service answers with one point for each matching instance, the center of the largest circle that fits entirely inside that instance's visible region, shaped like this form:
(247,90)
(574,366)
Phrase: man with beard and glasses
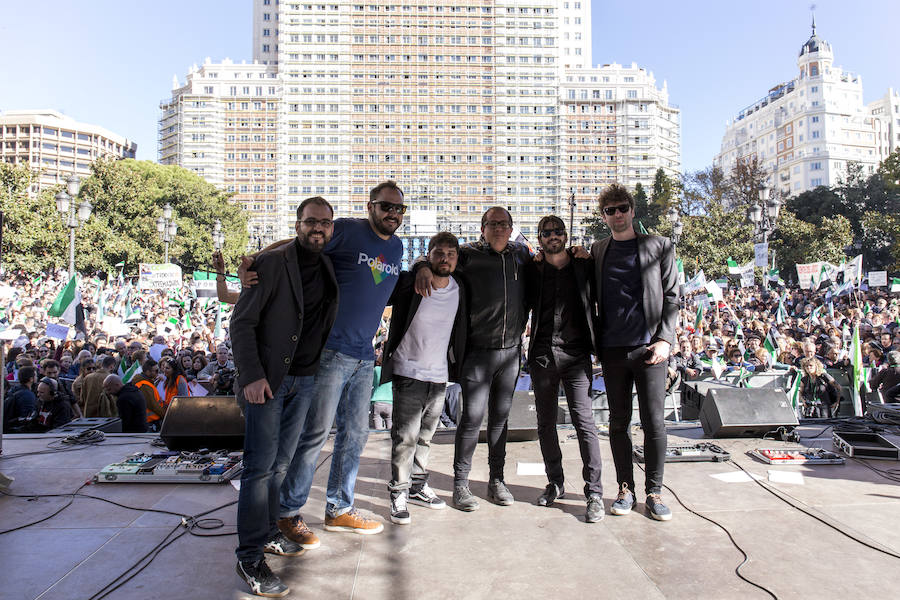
(493,268)
(423,351)
(560,293)
(279,328)
(637,290)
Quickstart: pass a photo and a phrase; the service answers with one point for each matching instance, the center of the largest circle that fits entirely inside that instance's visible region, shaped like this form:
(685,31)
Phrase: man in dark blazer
(424,350)
(559,290)
(637,292)
(278,330)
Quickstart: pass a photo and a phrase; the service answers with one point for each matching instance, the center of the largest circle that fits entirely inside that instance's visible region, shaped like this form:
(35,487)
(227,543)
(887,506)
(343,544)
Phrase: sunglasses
(611,210)
(559,232)
(390,207)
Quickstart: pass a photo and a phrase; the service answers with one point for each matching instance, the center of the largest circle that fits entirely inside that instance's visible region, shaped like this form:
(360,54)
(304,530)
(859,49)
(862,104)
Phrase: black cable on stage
(778,495)
(891,474)
(64,507)
(737,569)
(812,437)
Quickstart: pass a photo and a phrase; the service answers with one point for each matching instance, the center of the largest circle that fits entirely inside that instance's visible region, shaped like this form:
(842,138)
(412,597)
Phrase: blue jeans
(271,434)
(343,390)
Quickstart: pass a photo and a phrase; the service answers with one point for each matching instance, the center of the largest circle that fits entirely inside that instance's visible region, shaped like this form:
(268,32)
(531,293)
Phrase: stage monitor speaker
(194,422)
(745,412)
(522,423)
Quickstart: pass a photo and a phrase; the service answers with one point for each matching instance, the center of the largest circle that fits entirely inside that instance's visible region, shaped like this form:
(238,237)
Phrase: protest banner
(877,278)
(59,332)
(761,255)
(159,277)
(807,272)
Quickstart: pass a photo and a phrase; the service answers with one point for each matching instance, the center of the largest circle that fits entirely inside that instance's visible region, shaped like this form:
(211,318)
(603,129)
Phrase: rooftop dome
(814,43)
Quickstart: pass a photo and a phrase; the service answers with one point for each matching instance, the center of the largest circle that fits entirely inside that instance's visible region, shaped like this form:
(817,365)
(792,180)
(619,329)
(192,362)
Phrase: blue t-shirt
(367,268)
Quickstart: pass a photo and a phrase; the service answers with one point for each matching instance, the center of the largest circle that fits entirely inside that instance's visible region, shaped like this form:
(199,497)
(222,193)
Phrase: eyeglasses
(498,224)
(325,223)
(558,231)
(611,210)
(390,207)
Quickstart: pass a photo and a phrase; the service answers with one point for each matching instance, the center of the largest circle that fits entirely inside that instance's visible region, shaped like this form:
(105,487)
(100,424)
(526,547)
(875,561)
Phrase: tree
(34,235)
(796,241)
(128,196)
(747,179)
(595,227)
(707,241)
(702,188)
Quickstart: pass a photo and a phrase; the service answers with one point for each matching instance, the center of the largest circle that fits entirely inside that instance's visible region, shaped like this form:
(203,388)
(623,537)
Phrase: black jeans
(488,382)
(547,371)
(620,375)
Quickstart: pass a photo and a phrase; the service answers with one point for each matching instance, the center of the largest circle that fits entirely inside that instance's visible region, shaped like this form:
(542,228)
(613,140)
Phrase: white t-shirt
(422,353)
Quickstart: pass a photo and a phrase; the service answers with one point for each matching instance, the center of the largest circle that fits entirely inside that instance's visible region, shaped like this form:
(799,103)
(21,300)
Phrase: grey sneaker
(282,545)
(657,509)
(463,499)
(594,512)
(625,501)
(551,493)
(425,496)
(399,511)
(261,579)
(498,493)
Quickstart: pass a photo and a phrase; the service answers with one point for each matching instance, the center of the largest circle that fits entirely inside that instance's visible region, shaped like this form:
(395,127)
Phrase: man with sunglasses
(637,291)
(561,296)
(366,256)
(493,269)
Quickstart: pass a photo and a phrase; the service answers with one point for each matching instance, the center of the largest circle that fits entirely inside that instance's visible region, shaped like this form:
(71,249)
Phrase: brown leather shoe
(353,522)
(295,529)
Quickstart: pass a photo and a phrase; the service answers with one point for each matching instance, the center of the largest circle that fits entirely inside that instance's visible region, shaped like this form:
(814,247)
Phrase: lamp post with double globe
(74,213)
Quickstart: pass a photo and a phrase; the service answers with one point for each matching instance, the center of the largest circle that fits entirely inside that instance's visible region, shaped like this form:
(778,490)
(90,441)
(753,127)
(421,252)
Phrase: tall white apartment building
(615,126)
(804,131)
(222,124)
(459,101)
(57,146)
(886,112)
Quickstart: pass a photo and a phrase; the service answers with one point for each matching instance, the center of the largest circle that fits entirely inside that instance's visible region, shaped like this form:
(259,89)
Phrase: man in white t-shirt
(424,348)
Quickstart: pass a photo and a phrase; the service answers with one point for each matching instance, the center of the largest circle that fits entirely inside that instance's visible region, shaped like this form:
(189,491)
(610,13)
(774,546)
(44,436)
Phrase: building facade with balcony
(56,146)
(805,131)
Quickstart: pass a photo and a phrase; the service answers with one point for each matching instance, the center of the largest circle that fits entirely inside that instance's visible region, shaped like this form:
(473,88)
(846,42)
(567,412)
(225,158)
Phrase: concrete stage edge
(522,552)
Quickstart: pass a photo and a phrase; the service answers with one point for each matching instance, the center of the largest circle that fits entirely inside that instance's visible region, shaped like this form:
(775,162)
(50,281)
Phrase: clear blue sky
(110,62)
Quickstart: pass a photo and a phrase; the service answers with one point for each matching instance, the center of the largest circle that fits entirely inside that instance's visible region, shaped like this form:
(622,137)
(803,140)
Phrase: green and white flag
(186,322)
(717,367)
(733,267)
(858,378)
(641,229)
(66,304)
(771,345)
(217,331)
(127,374)
(131,315)
(698,318)
(895,285)
(795,391)
(780,312)
(679,264)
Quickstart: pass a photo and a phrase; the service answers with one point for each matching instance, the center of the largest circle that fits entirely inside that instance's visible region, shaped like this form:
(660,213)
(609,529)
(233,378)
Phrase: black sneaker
(624,502)
(498,493)
(425,496)
(399,510)
(594,512)
(464,499)
(657,509)
(282,545)
(261,579)
(551,493)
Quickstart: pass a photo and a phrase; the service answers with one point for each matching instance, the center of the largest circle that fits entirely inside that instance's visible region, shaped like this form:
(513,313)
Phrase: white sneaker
(399,511)
(426,497)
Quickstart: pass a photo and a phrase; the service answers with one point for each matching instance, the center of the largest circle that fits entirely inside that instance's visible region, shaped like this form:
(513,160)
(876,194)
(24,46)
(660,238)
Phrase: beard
(315,243)
(554,247)
(441,270)
(383,225)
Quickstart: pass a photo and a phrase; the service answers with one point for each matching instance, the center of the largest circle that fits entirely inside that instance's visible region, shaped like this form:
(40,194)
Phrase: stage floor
(519,552)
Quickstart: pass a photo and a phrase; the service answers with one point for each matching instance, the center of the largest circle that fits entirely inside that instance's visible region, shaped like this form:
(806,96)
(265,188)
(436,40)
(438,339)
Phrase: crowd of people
(299,350)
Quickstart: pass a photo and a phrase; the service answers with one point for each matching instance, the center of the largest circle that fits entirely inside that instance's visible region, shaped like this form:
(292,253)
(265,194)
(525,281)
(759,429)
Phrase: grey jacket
(268,317)
(660,282)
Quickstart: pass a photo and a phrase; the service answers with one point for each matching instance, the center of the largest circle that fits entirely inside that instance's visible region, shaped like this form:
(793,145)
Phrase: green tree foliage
(127,196)
(34,236)
(702,188)
(707,241)
(594,226)
(797,241)
(746,180)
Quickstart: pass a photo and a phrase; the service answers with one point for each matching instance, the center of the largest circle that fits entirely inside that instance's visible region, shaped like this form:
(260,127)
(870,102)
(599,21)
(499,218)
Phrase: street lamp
(73,215)
(764,221)
(217,236)
(167,227)
(674,217)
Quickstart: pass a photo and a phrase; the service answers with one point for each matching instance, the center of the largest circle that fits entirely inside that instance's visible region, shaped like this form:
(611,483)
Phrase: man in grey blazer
(637,293)
(278,330)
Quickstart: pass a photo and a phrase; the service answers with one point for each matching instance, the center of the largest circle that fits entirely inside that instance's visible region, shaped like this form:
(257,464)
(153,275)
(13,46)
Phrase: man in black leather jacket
(493,269)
